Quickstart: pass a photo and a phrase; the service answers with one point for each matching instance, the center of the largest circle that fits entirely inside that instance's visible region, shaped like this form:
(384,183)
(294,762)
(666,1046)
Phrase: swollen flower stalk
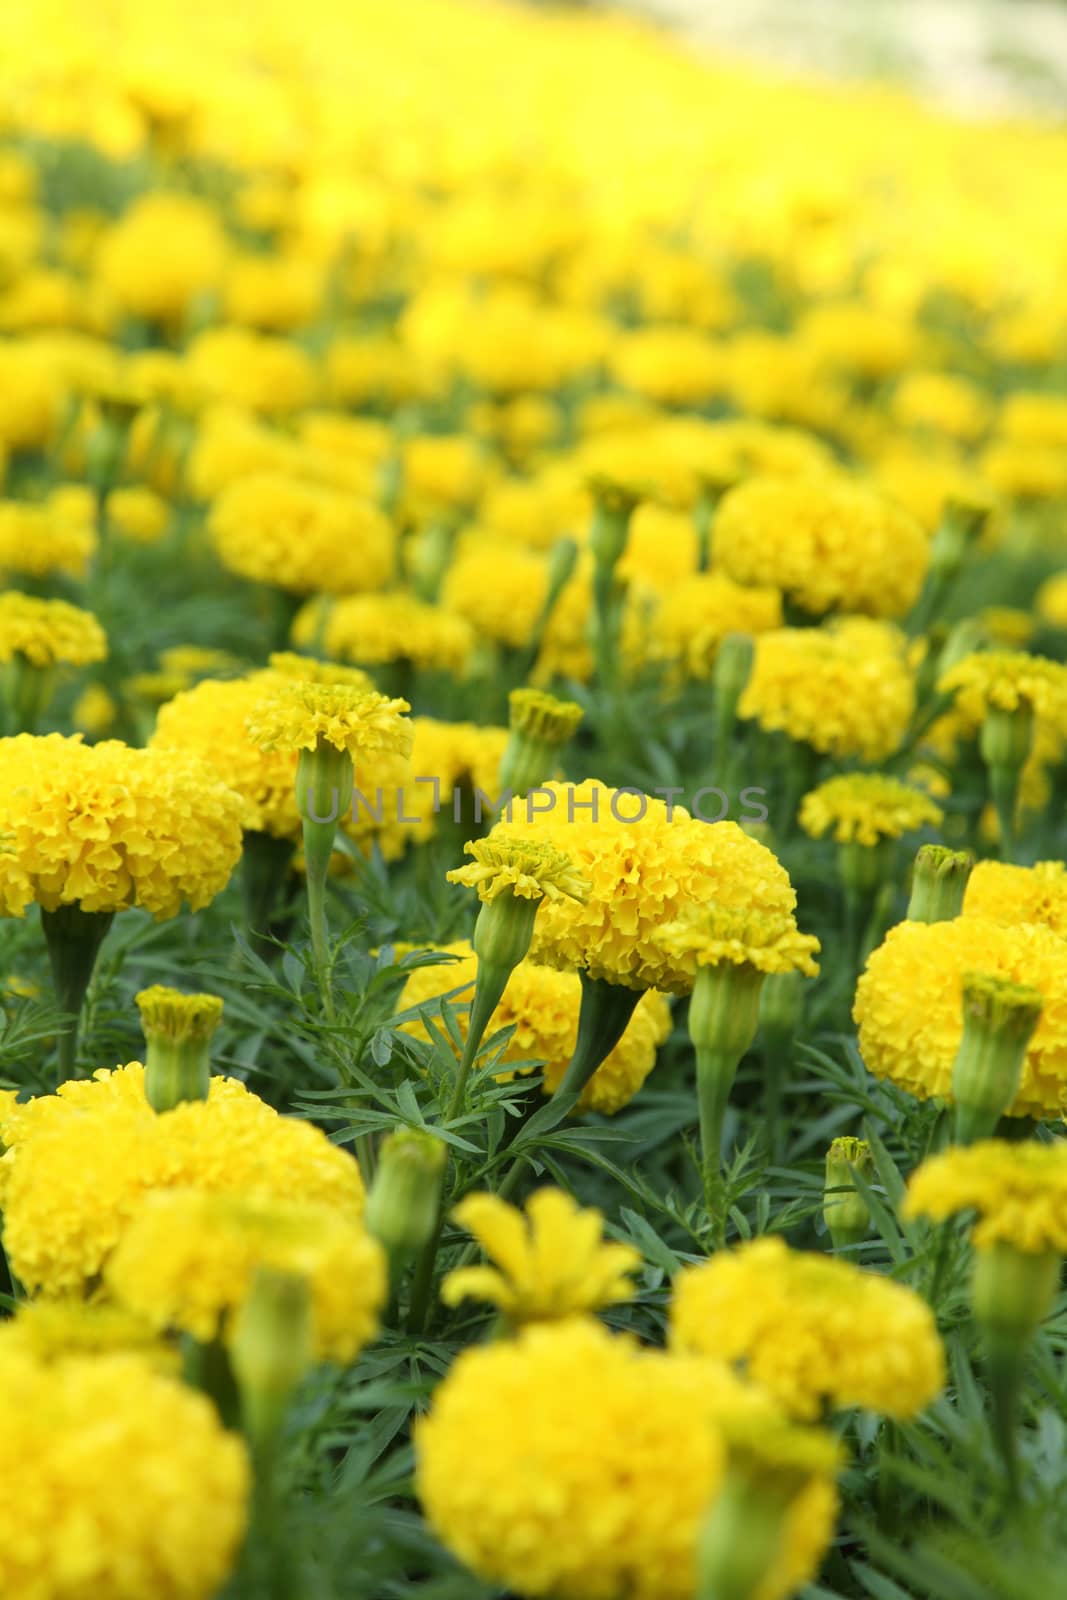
(270,1351)
(999,1019)
(1012,1291)
(939,883)
(178,1030)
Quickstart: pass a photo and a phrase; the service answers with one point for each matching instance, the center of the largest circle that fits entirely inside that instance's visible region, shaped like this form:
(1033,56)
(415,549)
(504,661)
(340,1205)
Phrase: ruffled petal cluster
(767,941)
(570,1463)
(374,629)
(301,536)
(909,1005)
(811,1329)
(1011,895)
(529,869)
(48,633)
(1017,1191)
(864,807)
(293,715)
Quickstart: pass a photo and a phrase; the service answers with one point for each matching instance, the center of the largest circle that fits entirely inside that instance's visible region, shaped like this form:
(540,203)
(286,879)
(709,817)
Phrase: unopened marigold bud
(999,1019)
(733,668)
(962,525)
(1012,1291)
(781,1008)
(939,883)
(540,727)
(864,868)
(271,1350)
(402,1205)
(845,1211)
(178,1030)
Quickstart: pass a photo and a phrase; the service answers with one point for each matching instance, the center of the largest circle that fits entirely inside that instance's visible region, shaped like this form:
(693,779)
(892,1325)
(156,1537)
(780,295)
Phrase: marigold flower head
(810,1329)
(138,514)
(1011,895)
(456,754)
(49,632)
(828,543)
(909,1005)
(66,1532)
(645,872)
(549,1263)
(542,1005)
(542,716)
(79,1163)
(1017,1190)
(375,629)
(499,591)
(296,715)
(767,940)
(163,252)
(41,540)
(865,807)
(846,689)
(308,669)
(1004,680)
(48,1330)
(276,528)
(187,1261)
(267,375)
(105,826)
(171,1015)
(530,869)
(528,1438)
(695,615)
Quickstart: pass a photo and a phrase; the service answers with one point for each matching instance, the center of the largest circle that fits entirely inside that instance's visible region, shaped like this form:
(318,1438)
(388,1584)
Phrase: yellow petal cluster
(768,941)
(644,872)
(696,614)
(187,1260)
(119,1482)
(909,1005)
(571,1463)
(827,542)
(79,1163)
(1004,680)
(1010,895)
(301,536)
(40,540)
(294,715)
(105,826)
(542,1005)
(865,807)
(549,1260)
(49,632)
(374,629)
(1018,1192)
(529,869)
(846,689)
(811,1329)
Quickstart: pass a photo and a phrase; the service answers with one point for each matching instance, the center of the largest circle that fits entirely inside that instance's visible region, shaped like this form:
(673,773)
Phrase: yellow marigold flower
(310,670)
(273,293)
(49,632)
(138,514)
(926,483)
(500,591)
(942,404)
(165,251)
(1035,418)
(847,689)
(859,338)
(811,1329)
(79,1164)
(828,543)
(94,711)
(1005,680)
(550,1263)
(458,755)
(648,864)
(866,807)
(1010,895)
(767,940)
(41,540)
(1006,627)
(542,1006)
(1018,1192)
(909,1005)
(177,1017)
(187,1261)
(266,375)
(1024,470)
(1051,600)
(104,827)
(66,1532)
(375,629)
(295,715)
(695,615)
(572,1463)
(300,536)
(542,716)
(50,1329)
(530,869)
(672,365)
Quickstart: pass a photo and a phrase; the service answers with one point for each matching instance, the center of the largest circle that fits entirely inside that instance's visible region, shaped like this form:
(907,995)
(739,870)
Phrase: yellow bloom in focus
(79,1164)
(767,941)
(49,632)
(647,864)
(542,1006)
(846,690)
(530,869)
(1017,1191)
(811,1329)
(104,826)
(828,543)
(909,1005)
(865,807)
(375,629)
(186,1261)
(87,1440)
(295,715)
(549,1263)
(571,1463)
(164,252)
(1003,893)
(42,540)
(279,529)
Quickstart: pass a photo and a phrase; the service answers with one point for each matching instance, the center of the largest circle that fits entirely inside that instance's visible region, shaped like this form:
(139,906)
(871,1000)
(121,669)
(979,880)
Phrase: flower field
(533,928)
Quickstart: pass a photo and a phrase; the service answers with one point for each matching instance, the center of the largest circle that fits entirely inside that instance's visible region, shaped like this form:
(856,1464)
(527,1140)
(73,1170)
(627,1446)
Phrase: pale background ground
(990,56)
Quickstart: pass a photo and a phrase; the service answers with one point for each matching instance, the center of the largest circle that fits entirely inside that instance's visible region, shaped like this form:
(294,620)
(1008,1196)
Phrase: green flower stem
(265,865)
(716,1070)
(317,852)
(604,1016)
(1004,793)
(73,938)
